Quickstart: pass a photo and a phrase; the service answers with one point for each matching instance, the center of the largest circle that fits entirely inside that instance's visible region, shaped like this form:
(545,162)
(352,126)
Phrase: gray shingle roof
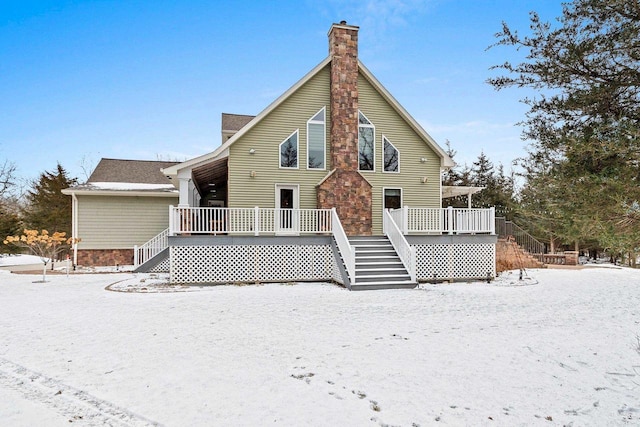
(234,122)
(132,171)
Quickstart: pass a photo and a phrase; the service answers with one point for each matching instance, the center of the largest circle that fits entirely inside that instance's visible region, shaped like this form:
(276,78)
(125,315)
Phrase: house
(332,181)
(123,203)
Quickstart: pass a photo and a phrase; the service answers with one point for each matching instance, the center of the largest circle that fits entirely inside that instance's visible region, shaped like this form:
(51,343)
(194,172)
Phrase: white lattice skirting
(163,267)
(251,263)
(288,260)
(455,261)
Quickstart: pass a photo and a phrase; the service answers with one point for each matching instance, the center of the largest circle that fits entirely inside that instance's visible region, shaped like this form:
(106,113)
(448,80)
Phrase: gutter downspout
(74,226)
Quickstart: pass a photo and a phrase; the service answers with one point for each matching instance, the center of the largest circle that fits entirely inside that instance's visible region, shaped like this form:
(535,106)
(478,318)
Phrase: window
(366,143)
(392,198)
(316,141)
(391,156)
(289,151)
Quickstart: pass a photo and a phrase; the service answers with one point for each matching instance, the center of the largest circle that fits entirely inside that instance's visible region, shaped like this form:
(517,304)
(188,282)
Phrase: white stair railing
(346,250)
(406,253)
(153,247)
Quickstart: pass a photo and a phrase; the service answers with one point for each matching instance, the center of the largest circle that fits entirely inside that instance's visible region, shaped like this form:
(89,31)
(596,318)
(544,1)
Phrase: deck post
(135,255)
(172,230)
(256,221)
(492,220)
(450,219)
(405,220)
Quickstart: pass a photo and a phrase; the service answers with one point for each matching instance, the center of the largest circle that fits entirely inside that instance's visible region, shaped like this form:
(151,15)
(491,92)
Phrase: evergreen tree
(499,191)
(455,176)
(9,207)
(10,222)
(498,188)
(47,208)
(582,175)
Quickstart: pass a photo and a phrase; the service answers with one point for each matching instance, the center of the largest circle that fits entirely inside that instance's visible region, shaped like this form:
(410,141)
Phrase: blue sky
(81,80)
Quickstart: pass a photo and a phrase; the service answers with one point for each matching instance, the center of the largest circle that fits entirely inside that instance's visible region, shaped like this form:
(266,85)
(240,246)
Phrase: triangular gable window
(391,156)
(289,151)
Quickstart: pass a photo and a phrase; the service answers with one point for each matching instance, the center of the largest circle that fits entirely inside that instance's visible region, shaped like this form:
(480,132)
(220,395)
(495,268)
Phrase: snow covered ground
(13,260)
(562,351)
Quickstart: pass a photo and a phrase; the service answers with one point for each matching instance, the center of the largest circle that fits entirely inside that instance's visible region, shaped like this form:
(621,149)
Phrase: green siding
(293,114)
(411,147)
(120,222)
(266,137)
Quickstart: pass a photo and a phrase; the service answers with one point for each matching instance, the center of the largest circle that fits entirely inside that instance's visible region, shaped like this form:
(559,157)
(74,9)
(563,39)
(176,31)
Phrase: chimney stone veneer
(345,188)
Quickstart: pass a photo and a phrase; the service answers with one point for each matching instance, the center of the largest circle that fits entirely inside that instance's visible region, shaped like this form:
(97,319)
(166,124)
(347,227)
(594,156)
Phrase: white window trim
(296,194)
(384,138)
(294,230)
(297,131)
(392,188)
(324,139)
(370,125)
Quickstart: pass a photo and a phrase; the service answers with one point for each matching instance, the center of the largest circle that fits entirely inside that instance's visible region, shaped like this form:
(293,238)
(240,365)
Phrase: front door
(286,217)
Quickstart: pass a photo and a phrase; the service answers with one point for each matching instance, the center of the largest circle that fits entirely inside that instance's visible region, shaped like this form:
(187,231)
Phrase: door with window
(286,215)
(392,198)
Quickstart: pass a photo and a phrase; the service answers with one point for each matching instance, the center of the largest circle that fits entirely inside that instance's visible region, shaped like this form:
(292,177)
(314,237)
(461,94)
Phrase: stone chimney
(345,188)
(343,51)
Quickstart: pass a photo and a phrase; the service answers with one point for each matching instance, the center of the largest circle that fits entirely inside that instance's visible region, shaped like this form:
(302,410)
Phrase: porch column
(184,192)
(74,227)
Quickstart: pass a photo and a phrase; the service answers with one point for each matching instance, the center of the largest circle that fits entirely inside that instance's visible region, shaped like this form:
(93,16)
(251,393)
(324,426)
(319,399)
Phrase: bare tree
(87,165)
(7,177)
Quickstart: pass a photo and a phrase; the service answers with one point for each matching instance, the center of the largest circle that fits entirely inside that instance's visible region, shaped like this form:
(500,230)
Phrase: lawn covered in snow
(562,351)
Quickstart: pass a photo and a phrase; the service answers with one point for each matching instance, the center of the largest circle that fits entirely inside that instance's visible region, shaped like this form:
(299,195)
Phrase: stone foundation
(104,257)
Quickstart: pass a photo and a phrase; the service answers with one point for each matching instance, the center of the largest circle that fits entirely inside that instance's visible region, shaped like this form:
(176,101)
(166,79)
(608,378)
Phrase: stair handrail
(151,248)
(524,239)
(404,250)
(346,250)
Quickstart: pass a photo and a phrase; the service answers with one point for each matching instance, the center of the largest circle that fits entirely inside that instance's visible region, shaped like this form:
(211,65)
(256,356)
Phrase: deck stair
(378,266)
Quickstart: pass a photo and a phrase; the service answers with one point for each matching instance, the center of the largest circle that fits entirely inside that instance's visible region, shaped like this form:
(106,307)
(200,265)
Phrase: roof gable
(222,151)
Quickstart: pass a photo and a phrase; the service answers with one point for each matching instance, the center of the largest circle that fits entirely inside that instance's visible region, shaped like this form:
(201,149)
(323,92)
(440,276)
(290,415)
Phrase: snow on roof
(125,188)
(134,186)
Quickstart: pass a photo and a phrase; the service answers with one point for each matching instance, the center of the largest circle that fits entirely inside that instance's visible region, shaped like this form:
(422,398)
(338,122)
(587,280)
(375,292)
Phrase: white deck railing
(346,250)
(406,253)
(444,220)
(256,221)
(153,247)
